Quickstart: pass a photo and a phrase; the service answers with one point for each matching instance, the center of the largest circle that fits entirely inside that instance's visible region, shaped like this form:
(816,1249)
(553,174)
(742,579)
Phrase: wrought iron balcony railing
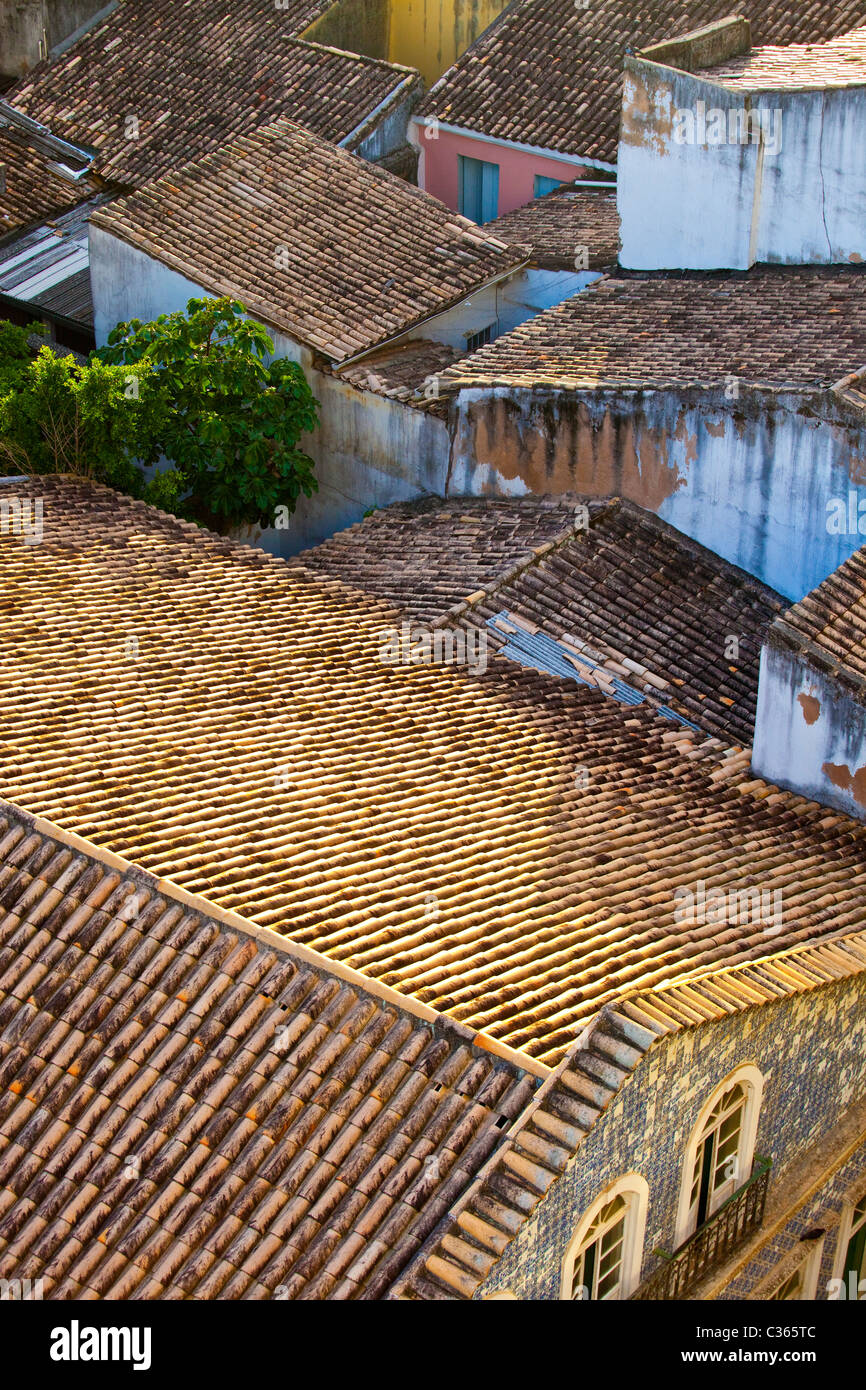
(712,1242)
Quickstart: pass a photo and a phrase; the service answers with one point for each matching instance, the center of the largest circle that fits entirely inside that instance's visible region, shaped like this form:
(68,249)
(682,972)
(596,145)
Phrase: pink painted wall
(517,170)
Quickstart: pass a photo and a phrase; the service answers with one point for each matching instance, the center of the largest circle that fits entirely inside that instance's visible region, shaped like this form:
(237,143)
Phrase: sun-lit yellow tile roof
(505,847)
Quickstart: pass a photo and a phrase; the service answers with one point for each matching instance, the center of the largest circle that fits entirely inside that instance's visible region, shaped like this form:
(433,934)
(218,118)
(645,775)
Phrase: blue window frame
(545,185)
(479,189)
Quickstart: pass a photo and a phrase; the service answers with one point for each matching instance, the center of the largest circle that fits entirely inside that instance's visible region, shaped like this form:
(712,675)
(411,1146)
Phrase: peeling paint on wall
(810,706)
(842,776)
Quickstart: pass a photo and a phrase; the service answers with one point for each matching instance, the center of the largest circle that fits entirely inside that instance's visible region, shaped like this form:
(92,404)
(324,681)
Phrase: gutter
(432,121)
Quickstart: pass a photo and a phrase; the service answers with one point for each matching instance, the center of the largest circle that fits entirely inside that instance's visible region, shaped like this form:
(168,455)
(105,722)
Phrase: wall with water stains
(751,478)
(810,732)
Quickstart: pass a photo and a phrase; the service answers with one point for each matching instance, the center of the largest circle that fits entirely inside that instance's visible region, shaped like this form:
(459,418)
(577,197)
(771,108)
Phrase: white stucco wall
(810,733)
(707,206)
(369,450)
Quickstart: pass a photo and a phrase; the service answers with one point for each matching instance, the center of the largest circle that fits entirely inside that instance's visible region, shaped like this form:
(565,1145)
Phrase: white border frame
(749,1075)
(633,1185)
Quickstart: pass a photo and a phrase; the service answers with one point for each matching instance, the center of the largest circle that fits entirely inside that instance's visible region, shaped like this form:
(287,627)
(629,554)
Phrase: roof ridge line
(166,887)
(536,556)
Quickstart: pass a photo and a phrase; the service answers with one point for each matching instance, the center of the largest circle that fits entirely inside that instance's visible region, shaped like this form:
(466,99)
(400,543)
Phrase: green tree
(15,354)
(228,421)
(59,415)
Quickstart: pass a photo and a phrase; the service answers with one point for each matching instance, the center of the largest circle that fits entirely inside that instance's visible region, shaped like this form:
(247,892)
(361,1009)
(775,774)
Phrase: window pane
(792,1289)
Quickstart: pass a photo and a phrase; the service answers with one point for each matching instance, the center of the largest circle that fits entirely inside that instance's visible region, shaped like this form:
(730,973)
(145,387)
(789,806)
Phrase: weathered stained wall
(809,1049)
(749,478)
(29,28)
(425,34)
(810,733)
(369,450)
(797,196)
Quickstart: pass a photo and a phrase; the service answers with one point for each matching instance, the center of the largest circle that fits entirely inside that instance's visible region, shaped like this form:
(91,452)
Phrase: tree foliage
(60,415)
(229,422)
(192,388)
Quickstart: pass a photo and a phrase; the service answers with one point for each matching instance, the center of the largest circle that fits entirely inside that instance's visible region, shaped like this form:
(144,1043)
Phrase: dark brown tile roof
(190,1109)
(555,226)
(401,373)
(651,606)
(548,72)
(195,73)
(367,255)
(426,557)
(230,722)
(545,1138)
(839,63)
(777,327)
(829,625)
(629,588)
(30,191)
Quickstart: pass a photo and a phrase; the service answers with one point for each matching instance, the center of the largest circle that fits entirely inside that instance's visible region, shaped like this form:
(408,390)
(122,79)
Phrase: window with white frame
(802,1283)
(719,1153)
(603,1259)
(851,1250)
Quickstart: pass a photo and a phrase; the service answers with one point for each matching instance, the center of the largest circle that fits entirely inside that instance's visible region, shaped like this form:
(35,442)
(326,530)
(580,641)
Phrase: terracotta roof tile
(426,557)
(839,63)
(31,190)
(423,826)
(401,373)
(829,624)
(548,72)
(195,73)
(629,588)
(81,1216)
(367,256)
(558,224)
(785,326)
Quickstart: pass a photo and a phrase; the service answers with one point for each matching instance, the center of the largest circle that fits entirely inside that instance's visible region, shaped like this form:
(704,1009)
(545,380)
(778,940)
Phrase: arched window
(719,1153)
(603,1259)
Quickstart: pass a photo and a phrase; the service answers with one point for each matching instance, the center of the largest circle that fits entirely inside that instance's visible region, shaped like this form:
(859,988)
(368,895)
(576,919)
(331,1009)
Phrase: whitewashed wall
(750,479)
(710,206)
(810,733)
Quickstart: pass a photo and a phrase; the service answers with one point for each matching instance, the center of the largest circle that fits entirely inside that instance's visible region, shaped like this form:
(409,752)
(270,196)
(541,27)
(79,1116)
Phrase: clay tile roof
(31,189)
(425,557)
(560,223)
(829,625)
(642,601)
(194,73)
(548,72)
(401,372)
(839,63)
(367,255)
(545,1138)
(792,327)
(192,1109)
(234,724)
(629,593)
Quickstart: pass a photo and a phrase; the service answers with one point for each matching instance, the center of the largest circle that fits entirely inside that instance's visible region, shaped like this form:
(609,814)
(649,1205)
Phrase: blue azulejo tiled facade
(809,1049)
